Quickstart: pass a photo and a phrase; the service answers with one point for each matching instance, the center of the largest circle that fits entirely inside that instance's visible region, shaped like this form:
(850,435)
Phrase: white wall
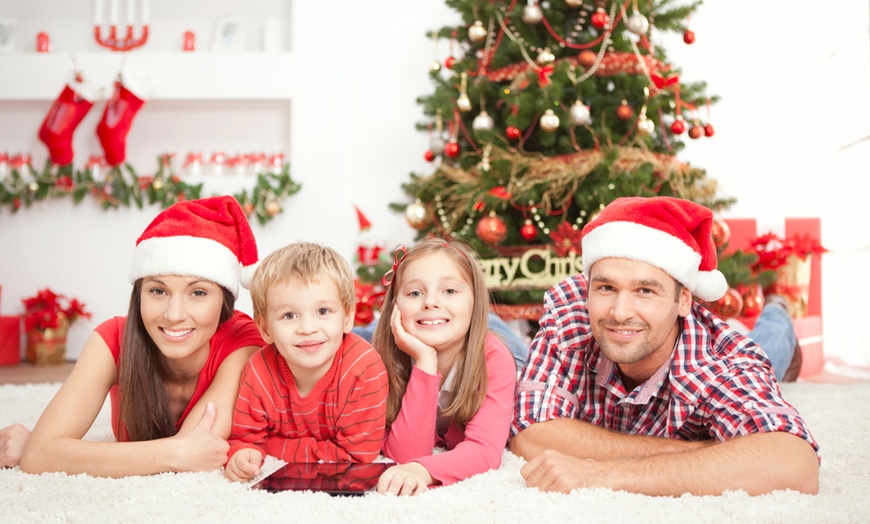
(794,94)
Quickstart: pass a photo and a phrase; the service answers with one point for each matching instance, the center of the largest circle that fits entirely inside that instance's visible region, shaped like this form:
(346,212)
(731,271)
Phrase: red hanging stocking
(65,114)
(115,124)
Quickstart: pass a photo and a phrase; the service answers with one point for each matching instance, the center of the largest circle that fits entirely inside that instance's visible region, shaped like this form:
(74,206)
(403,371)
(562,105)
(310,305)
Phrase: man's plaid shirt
(718,385)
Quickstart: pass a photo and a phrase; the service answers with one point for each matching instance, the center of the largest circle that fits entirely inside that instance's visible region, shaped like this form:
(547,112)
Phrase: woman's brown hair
(144,407)
(469,387)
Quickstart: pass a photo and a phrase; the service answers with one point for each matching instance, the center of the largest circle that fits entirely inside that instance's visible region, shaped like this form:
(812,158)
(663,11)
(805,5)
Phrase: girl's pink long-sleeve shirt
(412,436)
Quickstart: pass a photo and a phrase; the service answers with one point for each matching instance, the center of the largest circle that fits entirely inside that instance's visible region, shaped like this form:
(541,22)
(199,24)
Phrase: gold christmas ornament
(477,33)
(573,3)
(645,126)
(463,103)
(272,208)
(435,66)
(415,215)
(549,121)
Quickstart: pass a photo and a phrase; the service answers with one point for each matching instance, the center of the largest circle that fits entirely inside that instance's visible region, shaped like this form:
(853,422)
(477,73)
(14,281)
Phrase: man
(631,385)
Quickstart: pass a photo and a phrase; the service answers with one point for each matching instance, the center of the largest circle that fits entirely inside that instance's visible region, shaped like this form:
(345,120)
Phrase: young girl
(172,366)
(451,381)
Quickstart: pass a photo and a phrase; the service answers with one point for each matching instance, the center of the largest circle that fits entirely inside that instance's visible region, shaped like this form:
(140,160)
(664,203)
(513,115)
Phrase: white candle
(129,12)
(113,13)
(146,12)
(98,12)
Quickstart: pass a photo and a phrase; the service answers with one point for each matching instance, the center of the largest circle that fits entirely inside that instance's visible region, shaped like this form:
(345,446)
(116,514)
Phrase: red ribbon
(664,82)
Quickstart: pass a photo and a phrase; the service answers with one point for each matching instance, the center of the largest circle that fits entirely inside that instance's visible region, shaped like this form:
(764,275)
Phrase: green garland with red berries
(124,187)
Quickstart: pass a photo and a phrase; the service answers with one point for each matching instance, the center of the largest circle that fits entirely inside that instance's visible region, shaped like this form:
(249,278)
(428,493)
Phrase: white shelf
(198,75)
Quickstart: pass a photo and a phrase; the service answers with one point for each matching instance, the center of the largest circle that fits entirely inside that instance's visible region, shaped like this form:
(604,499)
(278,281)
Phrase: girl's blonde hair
(469,386)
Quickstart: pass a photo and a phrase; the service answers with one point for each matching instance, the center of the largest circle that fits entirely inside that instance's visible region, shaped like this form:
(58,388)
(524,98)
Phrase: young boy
(316,392)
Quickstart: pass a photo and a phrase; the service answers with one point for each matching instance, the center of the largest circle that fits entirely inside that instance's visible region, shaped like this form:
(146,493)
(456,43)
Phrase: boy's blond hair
(304,263)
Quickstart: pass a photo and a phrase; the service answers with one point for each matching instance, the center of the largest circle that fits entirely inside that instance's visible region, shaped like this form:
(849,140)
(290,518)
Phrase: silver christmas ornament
(579,114)
(637,23)
(549,121)
(477,33)
(435,66)
(573,3)
(437,145)
(482,122)
(532,14)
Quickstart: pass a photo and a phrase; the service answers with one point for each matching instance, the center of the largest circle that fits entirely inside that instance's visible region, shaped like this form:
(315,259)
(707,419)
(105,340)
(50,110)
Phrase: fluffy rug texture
(838,416)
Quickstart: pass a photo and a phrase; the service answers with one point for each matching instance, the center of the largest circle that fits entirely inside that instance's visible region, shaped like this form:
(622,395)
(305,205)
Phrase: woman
(172,366)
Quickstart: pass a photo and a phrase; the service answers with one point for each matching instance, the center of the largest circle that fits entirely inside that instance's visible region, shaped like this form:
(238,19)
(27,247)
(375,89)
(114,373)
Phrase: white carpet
(838,415)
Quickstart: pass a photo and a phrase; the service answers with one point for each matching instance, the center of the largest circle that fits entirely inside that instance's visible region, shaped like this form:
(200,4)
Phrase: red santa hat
(672,234)
(208,238)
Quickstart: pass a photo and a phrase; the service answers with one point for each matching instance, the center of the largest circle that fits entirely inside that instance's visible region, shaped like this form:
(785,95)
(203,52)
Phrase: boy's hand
(244,465)
(200,449)
(405,479)
(424,356)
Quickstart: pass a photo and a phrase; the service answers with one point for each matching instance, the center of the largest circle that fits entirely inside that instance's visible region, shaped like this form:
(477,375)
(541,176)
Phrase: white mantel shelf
(199,75)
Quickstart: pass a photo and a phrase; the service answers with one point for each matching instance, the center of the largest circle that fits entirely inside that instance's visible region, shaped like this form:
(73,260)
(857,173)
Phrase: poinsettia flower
(566,240)
(45,311)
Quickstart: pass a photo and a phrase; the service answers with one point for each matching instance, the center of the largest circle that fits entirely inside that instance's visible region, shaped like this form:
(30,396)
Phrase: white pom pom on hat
(670,233)
(208,238)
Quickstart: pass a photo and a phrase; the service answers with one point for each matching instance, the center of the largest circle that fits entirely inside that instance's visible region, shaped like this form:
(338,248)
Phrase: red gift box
(809,328)
(10,340)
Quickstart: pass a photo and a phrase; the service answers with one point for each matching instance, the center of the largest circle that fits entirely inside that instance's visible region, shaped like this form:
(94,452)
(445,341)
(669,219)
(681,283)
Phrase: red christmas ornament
(587,58)
(513,132)
(529,232)
(429,155)
(730,305)
(689,37)
(492,229)
(679,126)
(696,132)
(449,62)
(720,232)
(624,111)
(753,301)
(599,18)
(451,149)
(708,130)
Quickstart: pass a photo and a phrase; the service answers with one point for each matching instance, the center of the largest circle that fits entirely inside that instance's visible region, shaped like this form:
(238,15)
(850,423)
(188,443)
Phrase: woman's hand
(12,441)
(405,479)
(200,449)
(244,465)
(424,357)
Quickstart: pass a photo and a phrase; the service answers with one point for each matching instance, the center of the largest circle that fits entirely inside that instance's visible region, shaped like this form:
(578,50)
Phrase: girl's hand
(244,465)
(200,449)
(405,479)
(12,441)
(424,356)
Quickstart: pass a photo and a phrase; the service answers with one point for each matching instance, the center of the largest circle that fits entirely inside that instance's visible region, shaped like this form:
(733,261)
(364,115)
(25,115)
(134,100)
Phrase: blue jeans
(774,332)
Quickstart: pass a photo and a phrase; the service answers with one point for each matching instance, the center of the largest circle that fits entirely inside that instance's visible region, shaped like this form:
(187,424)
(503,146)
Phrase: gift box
(808,328)
(10,340)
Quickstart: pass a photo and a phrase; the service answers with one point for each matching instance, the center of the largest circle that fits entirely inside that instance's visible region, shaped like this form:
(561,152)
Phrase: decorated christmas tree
(542,114)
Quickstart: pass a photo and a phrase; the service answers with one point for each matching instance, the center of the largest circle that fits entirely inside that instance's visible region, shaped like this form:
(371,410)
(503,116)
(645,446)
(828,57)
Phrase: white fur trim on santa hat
(187,256)
(646,244)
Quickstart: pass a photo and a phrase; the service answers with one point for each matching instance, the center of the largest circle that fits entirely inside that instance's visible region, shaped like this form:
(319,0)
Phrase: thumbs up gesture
(200,449)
